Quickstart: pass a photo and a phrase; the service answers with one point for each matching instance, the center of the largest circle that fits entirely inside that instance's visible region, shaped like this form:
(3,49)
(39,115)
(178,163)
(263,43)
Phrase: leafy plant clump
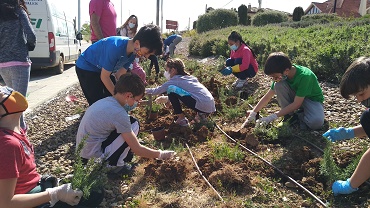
(266,132)
(88,177)
(156,107)
(224,150)
(331,171)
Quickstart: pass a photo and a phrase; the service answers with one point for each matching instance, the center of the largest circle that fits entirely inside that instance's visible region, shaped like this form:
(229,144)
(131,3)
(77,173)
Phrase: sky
(177,10)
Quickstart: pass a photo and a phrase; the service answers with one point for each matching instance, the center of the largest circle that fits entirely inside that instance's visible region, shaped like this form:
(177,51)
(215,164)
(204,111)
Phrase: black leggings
(365,122)
(249,73)
(92,86)
(187,100)
(154,61)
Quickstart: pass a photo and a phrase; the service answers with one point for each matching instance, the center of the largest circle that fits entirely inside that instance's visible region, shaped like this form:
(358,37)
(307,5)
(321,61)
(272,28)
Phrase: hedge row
(327,49)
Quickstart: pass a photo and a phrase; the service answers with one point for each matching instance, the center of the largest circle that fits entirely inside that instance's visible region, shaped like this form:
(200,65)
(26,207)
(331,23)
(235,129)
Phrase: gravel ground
(54,137)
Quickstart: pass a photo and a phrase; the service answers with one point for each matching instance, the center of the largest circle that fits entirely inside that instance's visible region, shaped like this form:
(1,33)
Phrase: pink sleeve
(246,57)
(96,6)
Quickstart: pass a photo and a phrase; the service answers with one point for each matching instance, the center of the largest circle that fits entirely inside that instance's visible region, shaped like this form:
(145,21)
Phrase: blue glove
(339,134)
(238,61)
(342,187)
(226,71)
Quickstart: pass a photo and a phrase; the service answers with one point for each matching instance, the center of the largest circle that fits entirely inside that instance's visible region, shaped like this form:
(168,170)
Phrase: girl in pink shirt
(242,62)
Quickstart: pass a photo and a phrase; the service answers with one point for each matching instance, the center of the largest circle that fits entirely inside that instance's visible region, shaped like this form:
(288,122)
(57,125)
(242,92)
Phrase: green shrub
(243,14)
(324,17)
(216,19)
(298,13)
(91,176)
(327,49)
(264,18)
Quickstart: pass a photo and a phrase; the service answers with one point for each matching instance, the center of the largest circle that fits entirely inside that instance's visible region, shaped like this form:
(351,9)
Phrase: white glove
(266,120)
(250,119)
(161,99)
(166,154)
(64,193)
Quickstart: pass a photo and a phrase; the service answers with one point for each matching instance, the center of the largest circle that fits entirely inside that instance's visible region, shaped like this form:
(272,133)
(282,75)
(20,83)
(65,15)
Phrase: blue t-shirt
(106,53)
(169,40)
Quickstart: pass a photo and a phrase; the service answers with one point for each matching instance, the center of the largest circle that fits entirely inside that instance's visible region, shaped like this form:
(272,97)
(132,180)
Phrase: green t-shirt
(305,84)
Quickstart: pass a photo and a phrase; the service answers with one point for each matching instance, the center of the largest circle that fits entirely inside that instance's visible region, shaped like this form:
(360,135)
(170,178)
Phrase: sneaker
(240,83)
(182,122)
(118,171)
(201,117)
(291,119)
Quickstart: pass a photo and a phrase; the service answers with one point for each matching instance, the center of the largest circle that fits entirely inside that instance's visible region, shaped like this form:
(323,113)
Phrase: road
(44,84)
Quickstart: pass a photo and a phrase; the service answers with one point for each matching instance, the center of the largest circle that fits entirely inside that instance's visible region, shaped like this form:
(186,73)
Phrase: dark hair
(178,65)
(22,4)
(130,83)
(9,10)
(150,37)
(235,36)
(356,78)
(134,30)
(277,62)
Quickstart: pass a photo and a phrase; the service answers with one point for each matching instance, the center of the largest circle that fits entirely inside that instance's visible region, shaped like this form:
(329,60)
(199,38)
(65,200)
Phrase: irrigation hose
(201,174)
(274,167)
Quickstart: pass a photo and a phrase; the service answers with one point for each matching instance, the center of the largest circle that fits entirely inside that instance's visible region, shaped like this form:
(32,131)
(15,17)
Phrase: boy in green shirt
(295,87)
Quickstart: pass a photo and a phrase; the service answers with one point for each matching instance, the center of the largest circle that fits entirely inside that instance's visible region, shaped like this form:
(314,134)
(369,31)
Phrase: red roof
(344,8)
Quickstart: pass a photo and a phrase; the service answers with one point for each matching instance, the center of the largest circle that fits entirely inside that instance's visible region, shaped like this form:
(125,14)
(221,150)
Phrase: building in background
(344,8)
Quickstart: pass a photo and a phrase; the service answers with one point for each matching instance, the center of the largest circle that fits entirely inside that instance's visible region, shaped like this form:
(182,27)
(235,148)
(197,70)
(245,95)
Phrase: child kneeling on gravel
(110,132)
(355,82)
(20,184)
(295,87)
(184,88)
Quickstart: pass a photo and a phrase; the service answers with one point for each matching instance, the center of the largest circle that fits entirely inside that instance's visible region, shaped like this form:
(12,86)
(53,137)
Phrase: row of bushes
(327,49)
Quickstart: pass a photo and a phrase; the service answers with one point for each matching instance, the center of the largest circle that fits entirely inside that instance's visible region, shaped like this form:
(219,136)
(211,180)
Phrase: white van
(57,41)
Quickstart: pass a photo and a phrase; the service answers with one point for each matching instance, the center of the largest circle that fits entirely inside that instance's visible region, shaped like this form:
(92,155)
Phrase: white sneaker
(240,83)
(236,82)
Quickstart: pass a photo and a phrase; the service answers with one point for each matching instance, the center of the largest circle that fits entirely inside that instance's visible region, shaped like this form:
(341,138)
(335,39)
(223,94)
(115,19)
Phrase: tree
(243,14)
(86,32)
(298,13)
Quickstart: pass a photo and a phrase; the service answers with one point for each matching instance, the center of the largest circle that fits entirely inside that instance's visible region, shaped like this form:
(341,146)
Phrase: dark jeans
(91,85)
(365,122)
(187,100)
(249,73)
(154,61)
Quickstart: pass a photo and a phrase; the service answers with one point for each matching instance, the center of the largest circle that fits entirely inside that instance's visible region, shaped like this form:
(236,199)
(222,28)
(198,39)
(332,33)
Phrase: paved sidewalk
(44,88)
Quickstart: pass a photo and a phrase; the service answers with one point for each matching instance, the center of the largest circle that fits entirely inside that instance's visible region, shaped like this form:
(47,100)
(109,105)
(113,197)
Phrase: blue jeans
(17,77)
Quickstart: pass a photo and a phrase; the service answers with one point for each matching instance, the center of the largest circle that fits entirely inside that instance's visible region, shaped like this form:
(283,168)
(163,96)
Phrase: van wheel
(60,67)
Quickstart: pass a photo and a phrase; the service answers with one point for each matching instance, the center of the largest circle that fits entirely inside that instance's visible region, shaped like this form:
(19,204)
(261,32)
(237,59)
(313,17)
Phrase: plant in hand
(90,176)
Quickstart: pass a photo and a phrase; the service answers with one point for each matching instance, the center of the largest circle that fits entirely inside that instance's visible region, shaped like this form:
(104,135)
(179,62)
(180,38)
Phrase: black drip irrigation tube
(274,167)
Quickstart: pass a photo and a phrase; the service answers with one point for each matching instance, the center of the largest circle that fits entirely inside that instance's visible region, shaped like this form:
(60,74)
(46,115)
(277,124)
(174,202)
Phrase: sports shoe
(201,117)
(182,122)
(239,83)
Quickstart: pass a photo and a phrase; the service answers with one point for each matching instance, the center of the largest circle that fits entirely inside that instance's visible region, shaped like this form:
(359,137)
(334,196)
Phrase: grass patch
(224,150)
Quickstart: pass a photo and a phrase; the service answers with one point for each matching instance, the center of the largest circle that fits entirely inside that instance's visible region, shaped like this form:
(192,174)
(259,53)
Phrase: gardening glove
(226,71)
(266,120)
(339,134)
(342,187)
(161,99)
(250,119)
(64,193)
(166,154)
